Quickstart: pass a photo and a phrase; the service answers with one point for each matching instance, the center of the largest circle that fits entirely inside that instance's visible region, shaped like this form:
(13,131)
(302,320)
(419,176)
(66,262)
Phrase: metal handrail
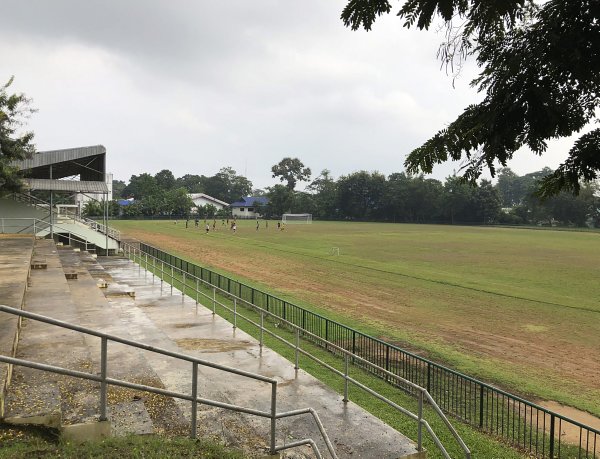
(33,200)
(40,203)
(423,393)
(101,228)
(104,381)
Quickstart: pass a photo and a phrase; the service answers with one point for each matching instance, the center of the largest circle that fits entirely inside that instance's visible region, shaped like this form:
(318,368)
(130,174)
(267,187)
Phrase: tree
(14,146)
(118,186)
(423,199)
(177,202)
(397,197)
(324,188)
(511,187)
(192,183)
(165,180)
(280,200)
(291,170)
(360,195)
(141,186)
(227,186)
(486,203)
(93,208)
(540,70)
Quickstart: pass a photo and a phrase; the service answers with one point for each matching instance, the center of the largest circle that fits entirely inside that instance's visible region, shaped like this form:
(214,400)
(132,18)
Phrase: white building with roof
(201,199)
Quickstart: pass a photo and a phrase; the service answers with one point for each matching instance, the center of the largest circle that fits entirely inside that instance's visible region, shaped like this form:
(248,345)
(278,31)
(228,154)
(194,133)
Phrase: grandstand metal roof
(74,186)
(247,201)
(87,162)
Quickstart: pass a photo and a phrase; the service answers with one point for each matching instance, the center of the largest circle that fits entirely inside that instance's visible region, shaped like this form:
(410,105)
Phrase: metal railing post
(162,274)
(103,368)
(420,427)
(552,422)
(183,288)
(296,366)
(345,400)
(262,328)
(153,269)
(234,312)
(273,415)
(481,407)
(194,398)
(214,301)
(146,272)
(197,290)
(172,278)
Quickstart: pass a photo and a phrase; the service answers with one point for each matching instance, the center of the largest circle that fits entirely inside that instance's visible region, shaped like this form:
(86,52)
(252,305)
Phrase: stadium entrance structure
(297,218)
(69,173)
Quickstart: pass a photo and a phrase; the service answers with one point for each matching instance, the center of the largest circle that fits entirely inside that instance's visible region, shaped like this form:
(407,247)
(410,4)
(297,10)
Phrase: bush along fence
(523,424)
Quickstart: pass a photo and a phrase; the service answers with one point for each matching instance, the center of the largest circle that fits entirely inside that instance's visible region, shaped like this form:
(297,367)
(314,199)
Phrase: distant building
(125,202)
(246,207)
(201,199)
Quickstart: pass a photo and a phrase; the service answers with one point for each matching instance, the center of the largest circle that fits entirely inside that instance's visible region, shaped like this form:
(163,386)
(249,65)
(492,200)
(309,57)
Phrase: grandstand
(69,173)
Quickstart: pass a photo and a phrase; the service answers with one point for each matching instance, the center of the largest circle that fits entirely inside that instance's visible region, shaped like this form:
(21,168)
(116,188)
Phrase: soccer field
(519,308)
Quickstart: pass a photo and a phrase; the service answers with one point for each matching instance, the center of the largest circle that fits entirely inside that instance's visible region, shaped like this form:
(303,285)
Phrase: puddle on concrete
(186,325)
(570,433)
(211,345)
(146,305)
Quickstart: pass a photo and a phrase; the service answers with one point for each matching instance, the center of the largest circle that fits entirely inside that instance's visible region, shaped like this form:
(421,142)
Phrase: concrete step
(39,263)
(33,399)
(15,260)
(129,411)
(49,295)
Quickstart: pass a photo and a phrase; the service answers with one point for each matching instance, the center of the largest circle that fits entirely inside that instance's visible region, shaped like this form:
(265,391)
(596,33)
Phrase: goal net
(296,218)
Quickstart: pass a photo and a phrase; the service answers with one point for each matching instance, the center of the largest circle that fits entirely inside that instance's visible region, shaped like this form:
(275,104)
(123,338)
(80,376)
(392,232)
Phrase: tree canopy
(540,72)
(291,170)
(14,145)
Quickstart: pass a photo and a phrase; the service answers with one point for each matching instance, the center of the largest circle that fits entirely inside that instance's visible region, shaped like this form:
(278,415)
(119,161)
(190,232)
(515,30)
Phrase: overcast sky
(193,86)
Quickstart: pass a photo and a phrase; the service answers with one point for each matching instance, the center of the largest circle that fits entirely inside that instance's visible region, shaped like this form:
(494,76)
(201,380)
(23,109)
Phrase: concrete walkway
(174,322)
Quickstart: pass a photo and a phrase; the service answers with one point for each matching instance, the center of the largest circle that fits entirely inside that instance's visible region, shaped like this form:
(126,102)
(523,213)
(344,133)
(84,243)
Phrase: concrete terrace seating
(15,259)
(150,314)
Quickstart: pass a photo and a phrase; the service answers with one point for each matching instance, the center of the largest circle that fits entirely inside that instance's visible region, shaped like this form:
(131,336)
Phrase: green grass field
(515,307)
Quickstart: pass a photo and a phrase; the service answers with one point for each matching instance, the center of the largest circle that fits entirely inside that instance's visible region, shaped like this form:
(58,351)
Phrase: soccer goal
(297,218)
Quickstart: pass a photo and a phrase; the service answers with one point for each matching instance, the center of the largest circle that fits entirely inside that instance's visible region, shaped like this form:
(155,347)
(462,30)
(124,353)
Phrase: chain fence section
(510,418)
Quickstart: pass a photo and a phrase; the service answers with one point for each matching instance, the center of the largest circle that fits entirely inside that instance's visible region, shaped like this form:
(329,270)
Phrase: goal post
(297,218)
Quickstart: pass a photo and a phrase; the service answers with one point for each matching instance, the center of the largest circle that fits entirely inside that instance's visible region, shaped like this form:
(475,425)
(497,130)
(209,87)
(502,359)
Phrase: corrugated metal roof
(45,158)
(75,186)
(249,201)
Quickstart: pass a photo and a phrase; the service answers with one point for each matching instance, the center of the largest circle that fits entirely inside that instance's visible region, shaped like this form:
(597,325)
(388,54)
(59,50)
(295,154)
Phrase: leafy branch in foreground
(540,74)
(14,146)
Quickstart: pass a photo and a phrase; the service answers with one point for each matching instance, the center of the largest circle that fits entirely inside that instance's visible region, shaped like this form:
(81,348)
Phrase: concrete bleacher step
(34,395)
(172,322)
(15,264)
(33,404)
(39,263)
(71,404)
(129,411)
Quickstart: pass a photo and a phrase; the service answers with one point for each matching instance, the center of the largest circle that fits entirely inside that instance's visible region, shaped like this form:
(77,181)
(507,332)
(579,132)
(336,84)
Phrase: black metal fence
(523,424)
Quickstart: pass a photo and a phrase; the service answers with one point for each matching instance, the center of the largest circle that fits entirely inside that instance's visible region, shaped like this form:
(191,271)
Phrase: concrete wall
(13,215)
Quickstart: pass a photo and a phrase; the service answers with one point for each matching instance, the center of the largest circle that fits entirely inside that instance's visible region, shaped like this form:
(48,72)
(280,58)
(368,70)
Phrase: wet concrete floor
(174,322)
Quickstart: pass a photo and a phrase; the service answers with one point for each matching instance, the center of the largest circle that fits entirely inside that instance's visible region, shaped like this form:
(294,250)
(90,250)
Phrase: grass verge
(21,443)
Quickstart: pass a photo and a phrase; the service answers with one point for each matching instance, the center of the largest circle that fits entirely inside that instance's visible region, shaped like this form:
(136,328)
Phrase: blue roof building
(246,207)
